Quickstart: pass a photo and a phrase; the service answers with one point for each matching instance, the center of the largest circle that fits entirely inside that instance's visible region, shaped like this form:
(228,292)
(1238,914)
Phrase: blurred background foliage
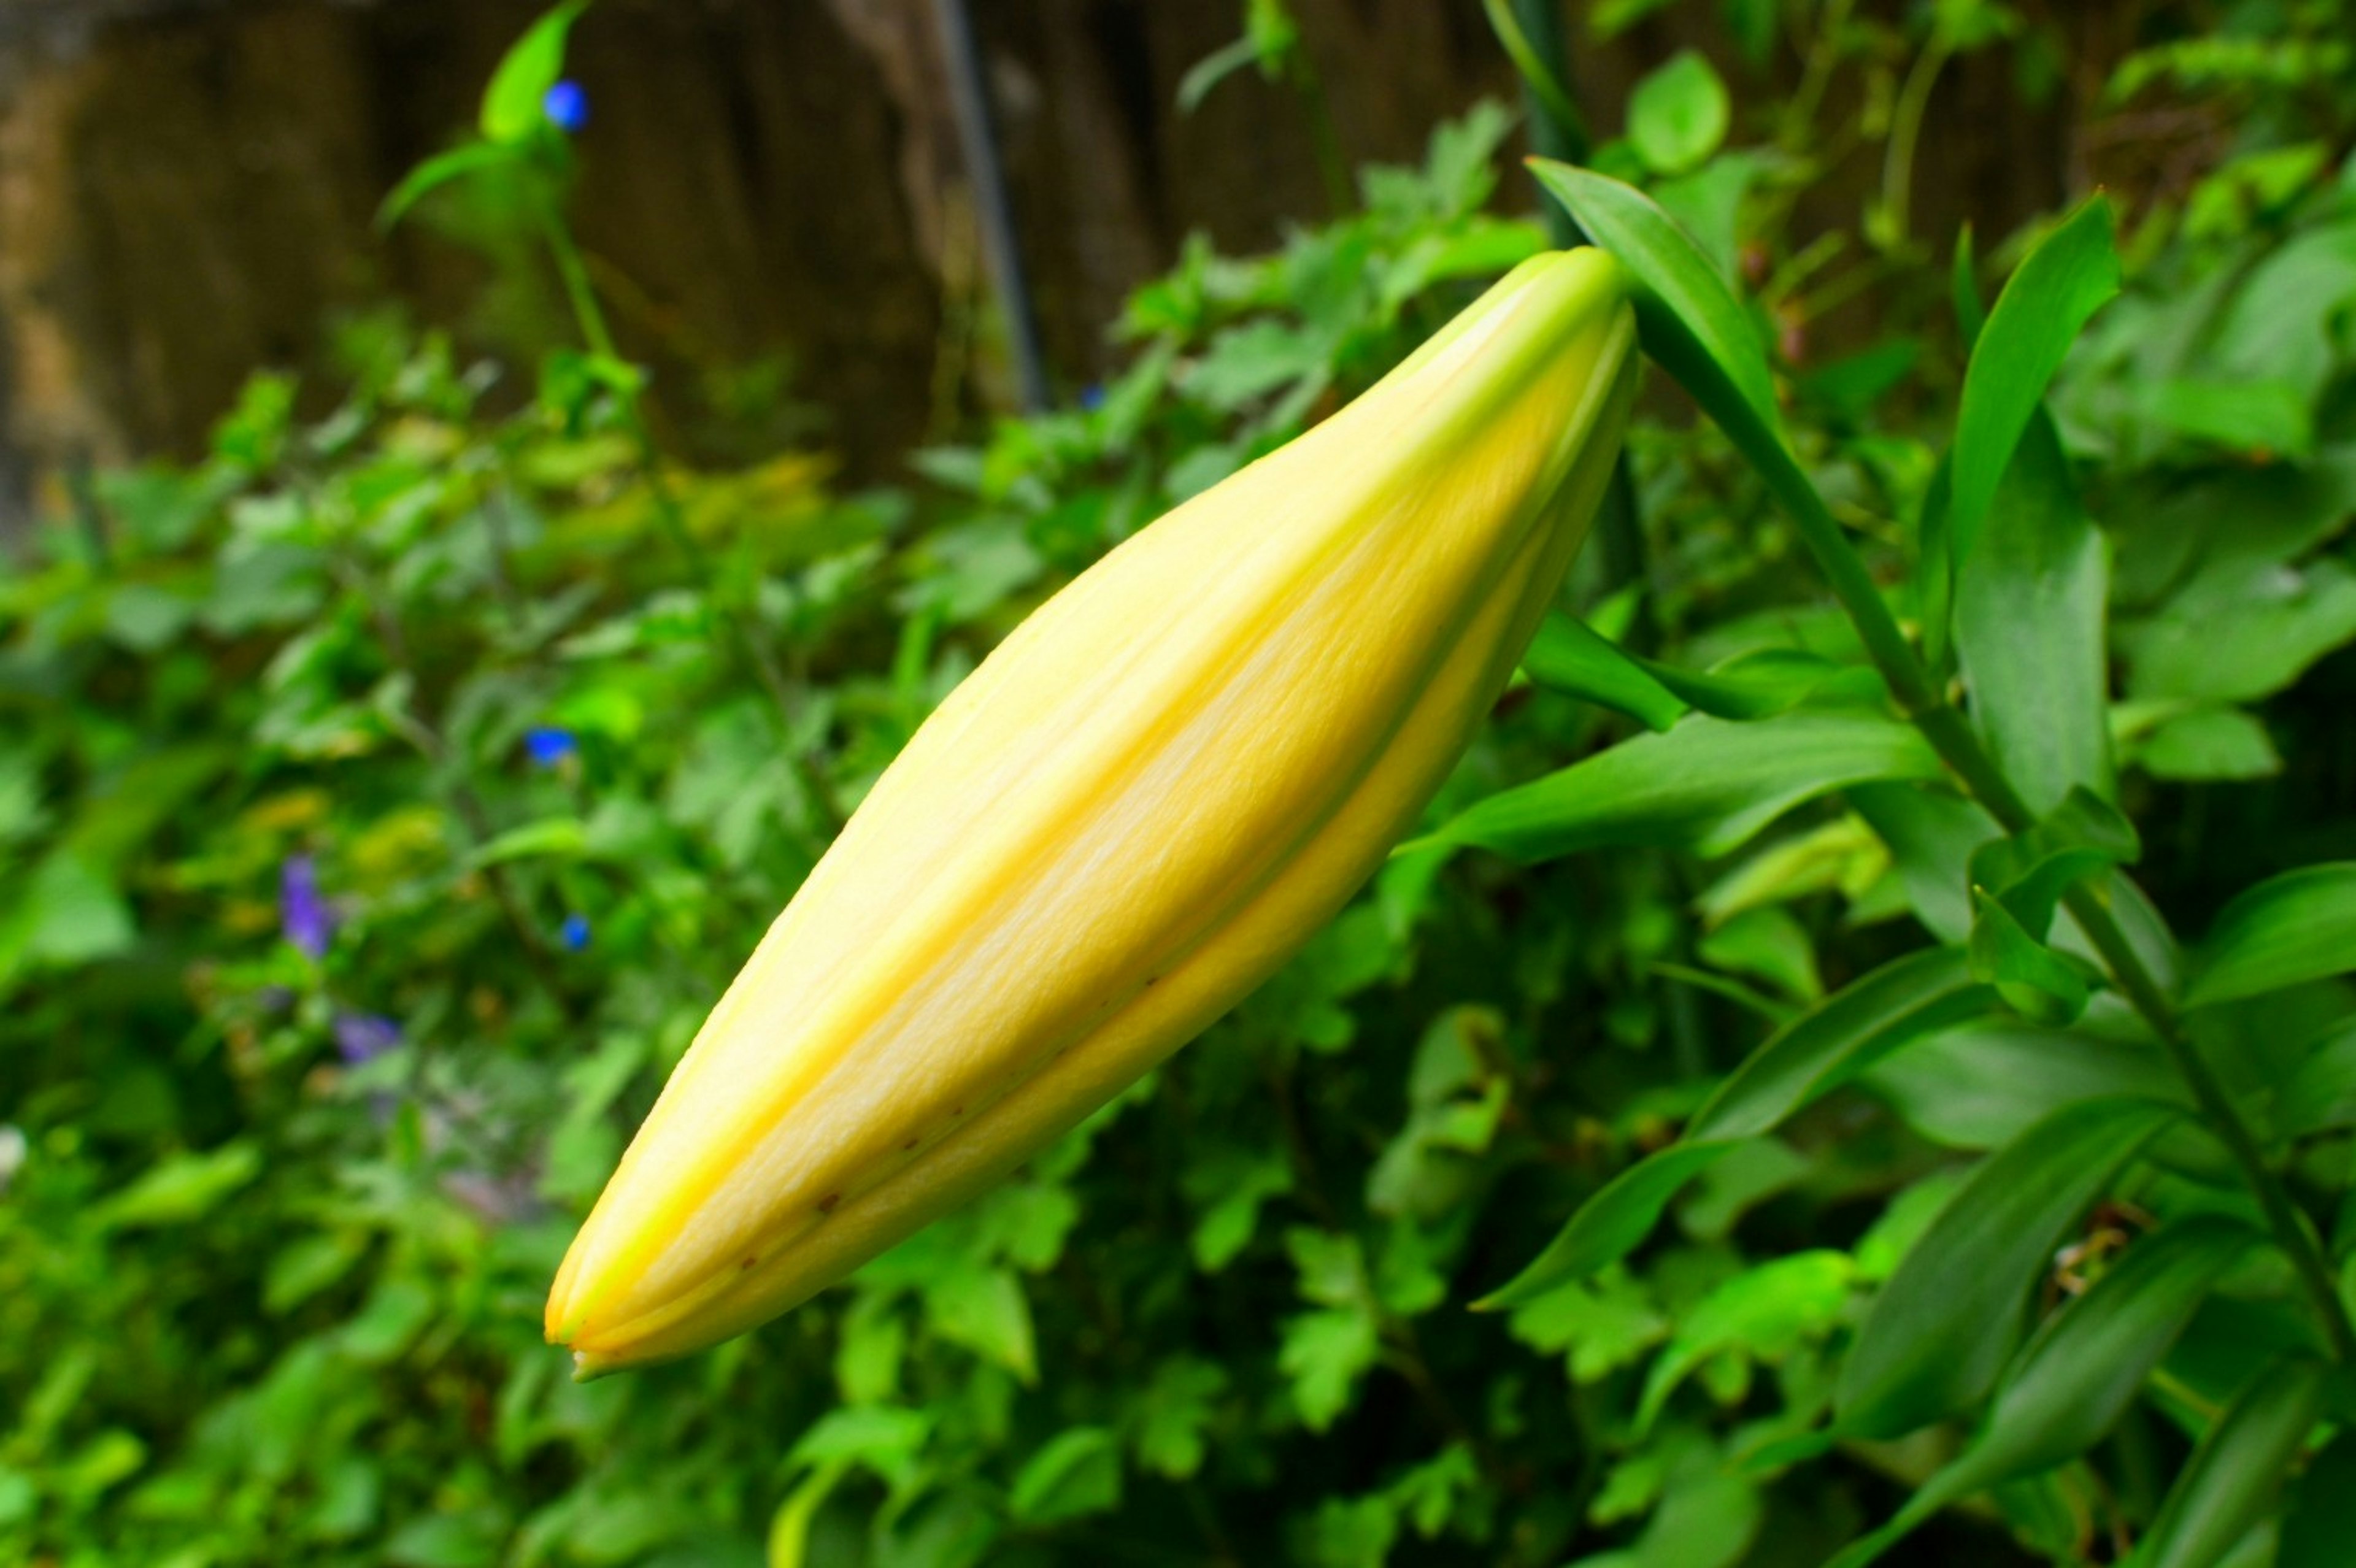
(386,794)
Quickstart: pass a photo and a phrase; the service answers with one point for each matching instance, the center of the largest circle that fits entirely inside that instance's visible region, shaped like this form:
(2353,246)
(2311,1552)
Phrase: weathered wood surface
(186,188)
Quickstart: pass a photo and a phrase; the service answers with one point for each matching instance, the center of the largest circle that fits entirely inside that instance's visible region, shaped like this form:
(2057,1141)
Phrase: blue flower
(362,1037)
(549,746)
(302,912)
(566,106)
(574,933)
(1092,397)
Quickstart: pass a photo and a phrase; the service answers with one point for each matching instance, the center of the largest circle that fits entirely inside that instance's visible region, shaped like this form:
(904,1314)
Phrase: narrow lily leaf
(2075,1380)
(1931,835)
(2288,930)
(1686,318)
(2319,1529)
(512,103)
(2031,871)
(1934,569)
(1755,686)
(2034,981)
(1941,1330)
(1983,1082)
(1570,657)
(2320,1094)
(2050,297)
(1807,1058)
(2232,1477)
(2029,606)
(1708,785)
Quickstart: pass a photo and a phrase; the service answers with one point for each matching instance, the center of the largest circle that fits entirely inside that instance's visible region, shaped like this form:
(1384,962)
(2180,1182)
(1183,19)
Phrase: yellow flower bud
(1145,800)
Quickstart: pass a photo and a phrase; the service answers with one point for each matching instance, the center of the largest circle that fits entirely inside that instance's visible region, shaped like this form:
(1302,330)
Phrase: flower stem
(1951,737)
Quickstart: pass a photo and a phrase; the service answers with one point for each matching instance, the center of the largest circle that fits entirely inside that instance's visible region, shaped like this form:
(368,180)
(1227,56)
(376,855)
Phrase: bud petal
(1142,803)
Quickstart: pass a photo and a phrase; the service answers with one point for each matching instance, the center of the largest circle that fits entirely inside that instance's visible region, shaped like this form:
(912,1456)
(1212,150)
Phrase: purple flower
(302,912)
(574,933)
(548,747)
(362,1037)
(566,106)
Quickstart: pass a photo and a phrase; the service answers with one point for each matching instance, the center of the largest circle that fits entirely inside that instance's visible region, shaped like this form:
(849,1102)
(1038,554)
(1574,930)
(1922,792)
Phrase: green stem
(1905,133)
(591,318)
(1951,737)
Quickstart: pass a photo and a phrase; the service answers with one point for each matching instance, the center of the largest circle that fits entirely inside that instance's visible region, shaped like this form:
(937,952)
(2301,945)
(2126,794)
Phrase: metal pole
(977,138)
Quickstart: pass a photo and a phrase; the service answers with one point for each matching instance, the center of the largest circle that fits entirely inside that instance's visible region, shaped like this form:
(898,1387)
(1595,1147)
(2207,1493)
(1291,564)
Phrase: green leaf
(1214,69)
(1940,1331)
(440,170)
(1536,74)
(562,838)
(2078,1376)
(2260,418)
(1678,115)
(789,1527)
(512,103)
(1807,1058)
(2206,744)
(2050,297)
(1685,316)
(2229,1482)
(1983,1084)
(179,1189)
(2030,628)
(2287,931)
(2034,981)
(1931,835)
(1568,656)
(2319,1529)
(1964,281)
(1764,1312)
(1074,1474)
(2243,633)
(1708,785)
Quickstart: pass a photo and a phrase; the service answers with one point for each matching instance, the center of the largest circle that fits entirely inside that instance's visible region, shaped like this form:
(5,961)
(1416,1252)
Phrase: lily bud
(1147,797)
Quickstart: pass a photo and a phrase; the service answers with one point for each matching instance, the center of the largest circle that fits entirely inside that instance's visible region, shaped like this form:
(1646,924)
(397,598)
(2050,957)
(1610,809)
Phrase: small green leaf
(1940,1331)
(1764,1312)
(1077,1473)
(2287,931)
(440,170)
(512,103)
(179,1189)
(2073,271)
(2034,981)
(2230,1480)
(1807,1058)
(1708,784)
(2030,611)
(1678,115)
(2205,744)
(2078,1376)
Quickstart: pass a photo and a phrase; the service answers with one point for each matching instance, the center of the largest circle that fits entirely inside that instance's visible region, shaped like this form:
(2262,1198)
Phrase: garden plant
(1855,1062)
